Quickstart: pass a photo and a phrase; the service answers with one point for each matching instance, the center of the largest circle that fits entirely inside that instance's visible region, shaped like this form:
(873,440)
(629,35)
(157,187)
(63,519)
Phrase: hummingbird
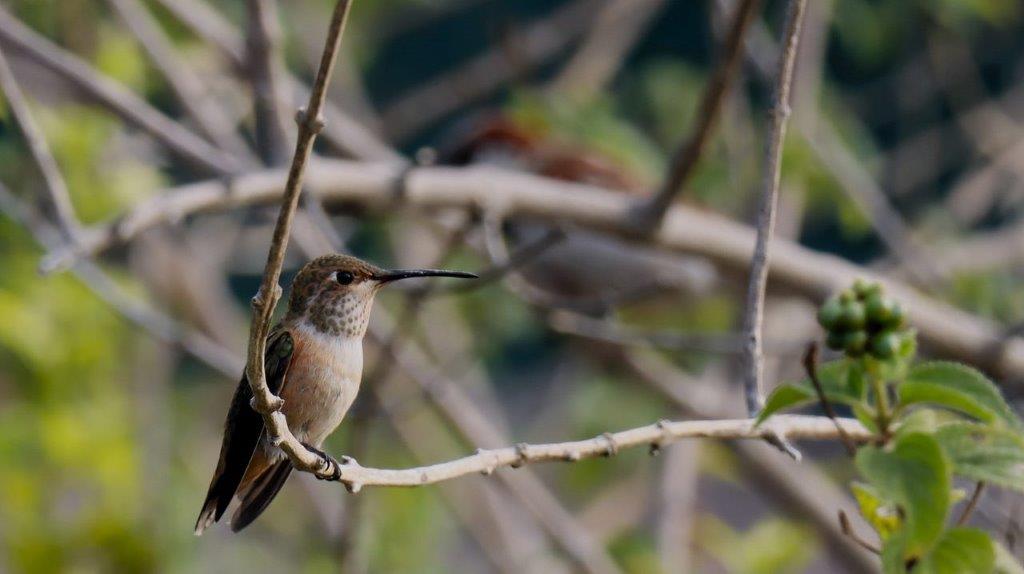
(314,362)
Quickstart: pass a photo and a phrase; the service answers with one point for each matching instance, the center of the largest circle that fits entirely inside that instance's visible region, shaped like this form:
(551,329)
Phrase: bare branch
(800,489)
(949,331)
(567,322)
(856,181)
(677,504)
(264,72)
(515,260)
(133,109)
(188,88)
(310,122)
(485,73)
(342,132)
(686,157)
(159,325)
(476,428)
(56,189)
(619,25)
(486,461)
(754,312)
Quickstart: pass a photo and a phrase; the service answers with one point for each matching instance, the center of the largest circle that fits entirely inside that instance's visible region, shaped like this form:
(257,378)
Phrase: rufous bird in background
(314,362)
(584,266)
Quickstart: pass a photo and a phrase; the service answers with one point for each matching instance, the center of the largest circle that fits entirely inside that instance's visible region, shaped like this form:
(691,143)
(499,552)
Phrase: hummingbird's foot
(332,464)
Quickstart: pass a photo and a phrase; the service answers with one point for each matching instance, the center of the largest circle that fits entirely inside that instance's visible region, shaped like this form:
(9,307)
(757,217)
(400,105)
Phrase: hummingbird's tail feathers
(206,518)
(222,489)
(260,494)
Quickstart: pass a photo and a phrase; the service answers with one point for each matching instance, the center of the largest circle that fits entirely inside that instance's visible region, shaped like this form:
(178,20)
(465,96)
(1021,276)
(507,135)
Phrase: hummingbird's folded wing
(243,429)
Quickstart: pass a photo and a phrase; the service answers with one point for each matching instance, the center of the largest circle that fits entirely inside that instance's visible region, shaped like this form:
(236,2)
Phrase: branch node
(655,448)
(313,125)
(521,455)
(489,469)
(274,404)
(613,447)
(259,300)
(572,456)
(778,440)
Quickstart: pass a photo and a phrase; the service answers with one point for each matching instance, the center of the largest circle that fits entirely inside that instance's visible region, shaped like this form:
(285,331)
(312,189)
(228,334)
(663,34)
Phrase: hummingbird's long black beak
(398,274)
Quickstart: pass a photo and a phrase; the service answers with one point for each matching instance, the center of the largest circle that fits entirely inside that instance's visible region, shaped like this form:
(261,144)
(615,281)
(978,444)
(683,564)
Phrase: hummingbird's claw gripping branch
(328,468)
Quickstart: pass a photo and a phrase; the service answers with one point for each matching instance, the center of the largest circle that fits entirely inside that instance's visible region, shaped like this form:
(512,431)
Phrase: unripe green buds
(852,316)
(862,320)
(885,345)
(855,342)
(829,314)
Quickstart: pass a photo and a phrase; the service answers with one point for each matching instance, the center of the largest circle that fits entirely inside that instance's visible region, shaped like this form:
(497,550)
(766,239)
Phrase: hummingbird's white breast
(321,384)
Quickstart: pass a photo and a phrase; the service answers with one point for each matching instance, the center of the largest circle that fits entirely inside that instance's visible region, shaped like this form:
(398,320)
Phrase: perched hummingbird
(314,361)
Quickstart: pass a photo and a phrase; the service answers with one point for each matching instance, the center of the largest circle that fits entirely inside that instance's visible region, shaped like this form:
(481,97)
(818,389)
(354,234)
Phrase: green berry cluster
(862,320)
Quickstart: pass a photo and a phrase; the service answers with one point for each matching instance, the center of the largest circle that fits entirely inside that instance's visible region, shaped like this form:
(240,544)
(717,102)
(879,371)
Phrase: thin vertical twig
(685,158)
(58,198)
(264,73)
(271,96)
(979,489)
(677,508)
(310,122)
(754,314)
(615,31)
(342,131)
(847,530)
(811,366)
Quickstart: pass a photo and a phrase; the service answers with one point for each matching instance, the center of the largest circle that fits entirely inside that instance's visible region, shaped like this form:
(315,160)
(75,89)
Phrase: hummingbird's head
(335,292)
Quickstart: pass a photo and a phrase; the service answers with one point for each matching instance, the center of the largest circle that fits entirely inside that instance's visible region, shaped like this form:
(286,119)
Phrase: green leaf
(982,452)
(915,475)
(957,387)
(960,551)
(922,421)
(786,397)
(880,514)
(842,381)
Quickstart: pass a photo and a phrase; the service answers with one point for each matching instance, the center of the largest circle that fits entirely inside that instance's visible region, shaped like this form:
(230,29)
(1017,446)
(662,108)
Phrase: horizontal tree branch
(116,97)
(949,331)
(486,461)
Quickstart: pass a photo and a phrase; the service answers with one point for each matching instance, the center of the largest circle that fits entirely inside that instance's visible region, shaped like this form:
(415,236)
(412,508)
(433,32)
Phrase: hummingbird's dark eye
(344,277)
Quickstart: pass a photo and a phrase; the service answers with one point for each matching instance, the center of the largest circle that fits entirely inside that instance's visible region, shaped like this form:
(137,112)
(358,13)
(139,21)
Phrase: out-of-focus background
(904,155)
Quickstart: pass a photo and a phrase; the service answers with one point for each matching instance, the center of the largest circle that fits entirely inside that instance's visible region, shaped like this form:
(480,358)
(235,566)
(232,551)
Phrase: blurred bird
(314,361)
(585,267)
